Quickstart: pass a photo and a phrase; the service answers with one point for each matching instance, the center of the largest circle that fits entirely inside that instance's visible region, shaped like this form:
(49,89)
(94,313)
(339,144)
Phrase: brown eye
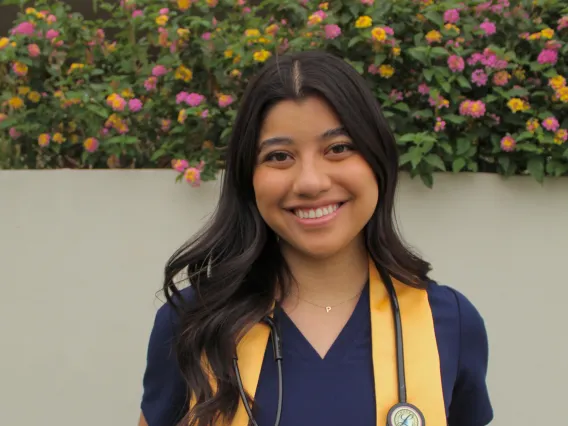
(277,157)
(341,148)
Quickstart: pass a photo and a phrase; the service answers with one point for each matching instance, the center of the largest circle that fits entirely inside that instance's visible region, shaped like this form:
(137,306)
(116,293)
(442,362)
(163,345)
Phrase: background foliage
(466,85)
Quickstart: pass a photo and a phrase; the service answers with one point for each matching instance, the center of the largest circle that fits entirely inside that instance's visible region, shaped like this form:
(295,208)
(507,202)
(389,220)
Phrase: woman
(304,234)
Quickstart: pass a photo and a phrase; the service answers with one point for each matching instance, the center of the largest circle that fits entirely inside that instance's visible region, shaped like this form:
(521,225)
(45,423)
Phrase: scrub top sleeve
(471,405)
(164,400)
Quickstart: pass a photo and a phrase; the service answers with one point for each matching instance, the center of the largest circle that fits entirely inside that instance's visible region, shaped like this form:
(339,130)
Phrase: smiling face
(312,187)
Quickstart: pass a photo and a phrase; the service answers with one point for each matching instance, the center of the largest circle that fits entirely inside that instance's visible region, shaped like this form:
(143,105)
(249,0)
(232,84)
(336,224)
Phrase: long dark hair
(234,264)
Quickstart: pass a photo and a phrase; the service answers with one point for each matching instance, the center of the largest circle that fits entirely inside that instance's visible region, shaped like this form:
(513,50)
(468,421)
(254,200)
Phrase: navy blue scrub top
(337,390)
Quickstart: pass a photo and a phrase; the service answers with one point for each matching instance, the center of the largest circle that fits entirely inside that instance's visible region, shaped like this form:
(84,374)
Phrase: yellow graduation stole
(421,359)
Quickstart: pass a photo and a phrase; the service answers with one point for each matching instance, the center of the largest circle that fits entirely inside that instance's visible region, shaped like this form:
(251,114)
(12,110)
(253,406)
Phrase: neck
(328,280)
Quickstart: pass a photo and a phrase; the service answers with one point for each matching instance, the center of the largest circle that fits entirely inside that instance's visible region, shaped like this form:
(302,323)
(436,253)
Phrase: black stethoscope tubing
(277,349)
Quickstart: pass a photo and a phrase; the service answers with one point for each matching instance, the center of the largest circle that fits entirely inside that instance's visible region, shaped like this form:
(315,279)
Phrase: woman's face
(311,186)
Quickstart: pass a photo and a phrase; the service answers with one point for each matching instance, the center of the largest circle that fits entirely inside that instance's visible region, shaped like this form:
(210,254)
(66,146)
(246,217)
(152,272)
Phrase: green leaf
(405,158)
(463,146)
(99,110)
(456,119)
(462,81)
(380,58)
(490,98)
(408,137)
(435,18)
(401,106)
(424,113)
(436,161)
(439,52)
(354,41)
(517,92)
(524,136)
(535,167)
(418,53)
(427,179)
(458,164)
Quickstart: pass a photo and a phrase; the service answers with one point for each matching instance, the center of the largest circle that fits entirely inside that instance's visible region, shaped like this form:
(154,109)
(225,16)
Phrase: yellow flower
(396,51)
(34,96)
(314,19)
(363,22)
(252,32)
(386,71)
(183,33)
(562,94)
(271,29)
(517,104)
(532,125)
(452,27)
(183,73)
(535,36)
(4,41)
(76,66)
(235,73)
(23,90)
(434,36)
(182,116)
(43,139)
(30,11)
(72,126)
(420,17)
(184,4)
(560,136)
(40,15)
(324,6)
(228,53)
(16,102)
(20,68)
(557,82)
(547,33)
(127,93)
(519,74)
(74,138)
(58,94)
(379,34)
(237,59)
(261,55)
(162,20)
(263,40)
(58,137)
(111,47)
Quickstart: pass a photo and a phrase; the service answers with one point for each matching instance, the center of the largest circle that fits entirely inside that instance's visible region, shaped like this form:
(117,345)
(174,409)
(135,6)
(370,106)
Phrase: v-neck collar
(299,345)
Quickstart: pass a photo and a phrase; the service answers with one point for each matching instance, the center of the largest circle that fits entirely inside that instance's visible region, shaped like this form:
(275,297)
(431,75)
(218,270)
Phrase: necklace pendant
(327,309)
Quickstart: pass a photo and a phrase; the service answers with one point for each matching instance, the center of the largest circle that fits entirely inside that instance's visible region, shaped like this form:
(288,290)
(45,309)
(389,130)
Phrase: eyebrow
(286,140)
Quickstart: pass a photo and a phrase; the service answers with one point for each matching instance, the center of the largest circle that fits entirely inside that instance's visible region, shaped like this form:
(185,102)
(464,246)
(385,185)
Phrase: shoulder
(461,327)
(164,390)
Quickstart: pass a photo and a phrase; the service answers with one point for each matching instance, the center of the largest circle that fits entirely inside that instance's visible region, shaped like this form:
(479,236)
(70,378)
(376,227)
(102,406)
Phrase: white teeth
(317,213)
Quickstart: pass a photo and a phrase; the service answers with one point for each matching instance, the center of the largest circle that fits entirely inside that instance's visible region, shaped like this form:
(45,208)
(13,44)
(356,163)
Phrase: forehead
(308,116)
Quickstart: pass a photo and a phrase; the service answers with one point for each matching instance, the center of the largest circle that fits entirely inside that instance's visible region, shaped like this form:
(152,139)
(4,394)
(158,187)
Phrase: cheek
(269,185)
(359,179)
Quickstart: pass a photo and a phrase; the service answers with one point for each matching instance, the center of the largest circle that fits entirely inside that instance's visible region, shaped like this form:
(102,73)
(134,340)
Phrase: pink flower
(452,16)
(225,100)
(396,95)
(206,36)
(456,63)
(488,27)
(332,31)
(388,30)
(33,50)
(166,123)
(159,70)
(51,19)
(164,11)
(14,134)
(116,102)
(474,109)
(423,89)
(551,124)
(372,69)
(479,78)
(501,78)
(51,34)
(137,13)
(440,125)
(205,113)
(368,2)
(180,165)
(181,97)
(547,56)
(194,99)
(508,143)
(135,105)
(24,28)
(91,144)
(562,23)
(150,83)
(192,175)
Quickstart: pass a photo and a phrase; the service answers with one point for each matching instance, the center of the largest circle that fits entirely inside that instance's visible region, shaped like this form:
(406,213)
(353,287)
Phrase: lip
(318,221)
(320,204)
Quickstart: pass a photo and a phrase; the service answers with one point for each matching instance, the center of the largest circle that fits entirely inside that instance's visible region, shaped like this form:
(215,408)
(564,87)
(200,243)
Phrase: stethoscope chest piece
(404,414)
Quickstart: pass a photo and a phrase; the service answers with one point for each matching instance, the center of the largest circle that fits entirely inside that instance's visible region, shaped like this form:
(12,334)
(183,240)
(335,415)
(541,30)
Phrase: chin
(319,250)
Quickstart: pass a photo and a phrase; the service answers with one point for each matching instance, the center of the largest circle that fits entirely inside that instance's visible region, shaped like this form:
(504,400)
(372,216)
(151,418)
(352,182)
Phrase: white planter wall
(82,253)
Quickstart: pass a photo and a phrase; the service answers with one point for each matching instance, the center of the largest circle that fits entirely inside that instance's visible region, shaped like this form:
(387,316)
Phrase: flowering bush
(466,85)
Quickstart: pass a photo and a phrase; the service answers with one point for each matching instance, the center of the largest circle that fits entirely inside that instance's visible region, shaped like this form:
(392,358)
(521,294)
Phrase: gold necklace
(328,307)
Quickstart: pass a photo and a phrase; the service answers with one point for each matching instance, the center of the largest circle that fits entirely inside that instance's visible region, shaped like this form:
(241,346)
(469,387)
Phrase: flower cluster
(468,86)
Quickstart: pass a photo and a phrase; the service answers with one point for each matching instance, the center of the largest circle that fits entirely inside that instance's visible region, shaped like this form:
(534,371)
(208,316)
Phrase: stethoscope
(401,414)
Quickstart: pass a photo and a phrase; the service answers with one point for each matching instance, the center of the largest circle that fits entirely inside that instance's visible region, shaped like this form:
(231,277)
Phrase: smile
(316,213)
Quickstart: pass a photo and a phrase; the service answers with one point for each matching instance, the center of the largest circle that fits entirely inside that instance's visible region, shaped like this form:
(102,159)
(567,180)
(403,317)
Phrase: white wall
(82,253)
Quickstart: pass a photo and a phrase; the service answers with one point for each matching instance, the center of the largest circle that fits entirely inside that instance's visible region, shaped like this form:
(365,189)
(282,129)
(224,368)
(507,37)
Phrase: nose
(311,180)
